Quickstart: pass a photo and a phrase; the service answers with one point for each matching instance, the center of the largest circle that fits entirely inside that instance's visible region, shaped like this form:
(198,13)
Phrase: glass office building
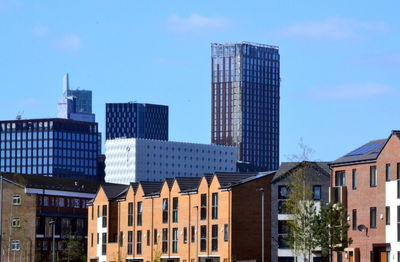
(49,147)
(136,120)
(245,101)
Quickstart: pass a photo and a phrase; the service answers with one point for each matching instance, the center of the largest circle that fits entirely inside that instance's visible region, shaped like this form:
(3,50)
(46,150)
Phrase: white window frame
(16,199)
(16,222)
(15,245)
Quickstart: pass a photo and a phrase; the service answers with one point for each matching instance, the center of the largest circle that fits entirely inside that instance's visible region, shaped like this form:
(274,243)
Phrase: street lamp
(53,227)
(262,223)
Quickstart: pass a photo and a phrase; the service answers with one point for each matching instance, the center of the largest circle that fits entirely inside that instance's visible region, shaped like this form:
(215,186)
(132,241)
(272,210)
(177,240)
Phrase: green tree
(74,250)
(332,229)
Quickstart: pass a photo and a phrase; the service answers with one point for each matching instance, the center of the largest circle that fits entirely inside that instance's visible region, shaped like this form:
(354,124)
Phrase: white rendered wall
(131,160)
(391,230)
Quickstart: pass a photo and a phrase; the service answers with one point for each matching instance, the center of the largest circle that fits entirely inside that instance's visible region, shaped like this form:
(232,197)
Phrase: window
(92,208)
(130,214)
(121,238)
(16,222)
(193,234)
(388,172)
(387,215)
(91,240)
(214,207)
(165,240)
(282,196)
(283,228)
(174,240)
(139,242)
(104,244)
(226,232)
(372,217)
(15,245)
(354,179)
(148,237)
(165,210)
(16,200)
(214,238)
(185,235)
(139,213)
(317,192)
(398,223)
(104,218)
(203,208)
(175,210)
(155,236)
(340,178)
(130,240)
(372,176)
(98,238)
(398,188)
(398,171)
(354,219)
(203,238)
(98,210)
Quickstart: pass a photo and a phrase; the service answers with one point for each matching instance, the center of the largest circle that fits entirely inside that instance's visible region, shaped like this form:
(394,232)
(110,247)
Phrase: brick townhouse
(366,181)
(28,206)
(211,218)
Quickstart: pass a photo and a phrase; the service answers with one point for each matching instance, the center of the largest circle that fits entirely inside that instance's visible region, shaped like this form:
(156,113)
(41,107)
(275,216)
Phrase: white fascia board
(37,191)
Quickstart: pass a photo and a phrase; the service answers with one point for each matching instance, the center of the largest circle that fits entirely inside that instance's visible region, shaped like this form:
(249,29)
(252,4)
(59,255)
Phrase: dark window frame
(214,206)
(373,177)
(372,217)
(203,206)
(354,179)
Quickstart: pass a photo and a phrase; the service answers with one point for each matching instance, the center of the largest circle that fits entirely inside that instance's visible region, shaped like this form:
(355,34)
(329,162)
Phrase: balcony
(338,194)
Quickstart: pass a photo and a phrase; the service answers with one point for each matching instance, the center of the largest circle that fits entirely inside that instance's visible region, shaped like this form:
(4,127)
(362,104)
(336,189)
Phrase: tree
(332,229)
(302,227)
(74,250)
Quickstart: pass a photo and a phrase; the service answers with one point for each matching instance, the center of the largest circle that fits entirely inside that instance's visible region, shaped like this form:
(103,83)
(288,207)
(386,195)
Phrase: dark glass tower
(49,147)
(245,101)
(135,120)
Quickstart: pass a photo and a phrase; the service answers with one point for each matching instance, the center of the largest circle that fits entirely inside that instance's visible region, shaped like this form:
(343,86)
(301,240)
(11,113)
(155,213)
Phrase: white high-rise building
(132,159)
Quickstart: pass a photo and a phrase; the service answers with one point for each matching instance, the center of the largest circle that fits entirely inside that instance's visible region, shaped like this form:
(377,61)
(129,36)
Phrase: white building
(132,159)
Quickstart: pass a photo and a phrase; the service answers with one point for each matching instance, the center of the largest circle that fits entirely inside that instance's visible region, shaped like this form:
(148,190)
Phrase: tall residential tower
(245,101)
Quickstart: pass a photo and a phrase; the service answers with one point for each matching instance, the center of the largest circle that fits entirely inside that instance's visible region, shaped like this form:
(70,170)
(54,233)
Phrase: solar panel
(365,149)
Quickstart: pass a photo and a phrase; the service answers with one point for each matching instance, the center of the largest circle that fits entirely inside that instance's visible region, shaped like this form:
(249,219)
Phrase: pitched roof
(366,152)
(54,183)
(188,183)
(230,179)
(286,167)
(113,191)
(151,187)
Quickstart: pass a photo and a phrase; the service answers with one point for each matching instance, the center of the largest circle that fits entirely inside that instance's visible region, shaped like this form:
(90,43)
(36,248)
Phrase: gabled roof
(151,187)
(53,183)
(230,179)
(170,182)
(135,186)
(187,184)
(114,191)
(366,152)
(286,167)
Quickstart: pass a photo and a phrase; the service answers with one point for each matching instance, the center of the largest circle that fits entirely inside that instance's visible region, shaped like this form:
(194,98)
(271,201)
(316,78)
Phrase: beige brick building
(211,218)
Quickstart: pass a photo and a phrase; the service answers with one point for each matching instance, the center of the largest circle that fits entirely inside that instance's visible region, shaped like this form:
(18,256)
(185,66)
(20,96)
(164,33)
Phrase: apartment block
(31,204)
(367,182)
(133,159)
(215,217)
(318,179)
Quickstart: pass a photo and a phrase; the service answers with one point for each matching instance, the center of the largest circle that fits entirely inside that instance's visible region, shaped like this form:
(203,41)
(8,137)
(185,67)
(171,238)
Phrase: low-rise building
(318,178)
(212,218)
(132,159)
(31,204)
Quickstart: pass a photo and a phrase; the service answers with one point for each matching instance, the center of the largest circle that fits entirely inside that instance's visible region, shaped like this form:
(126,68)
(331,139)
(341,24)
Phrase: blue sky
(340,62)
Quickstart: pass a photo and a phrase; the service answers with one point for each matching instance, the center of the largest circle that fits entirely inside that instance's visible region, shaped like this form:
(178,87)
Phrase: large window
(174,240)
(340,178)
(203,238)
(104,244)
(282,196)
(165,210)
(317,192)
(214,207)
(283,234)
(214,238)
(175,210)
(139,213)
(104,218)
(388,172)
(354,219)
(130,240)
(372,176)
(372,217)
(203,207)
(165,240)
(130,214)
(354,179)
(139,242)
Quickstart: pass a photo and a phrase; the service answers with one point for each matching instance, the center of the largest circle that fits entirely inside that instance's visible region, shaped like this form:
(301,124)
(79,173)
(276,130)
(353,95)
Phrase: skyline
(337,58)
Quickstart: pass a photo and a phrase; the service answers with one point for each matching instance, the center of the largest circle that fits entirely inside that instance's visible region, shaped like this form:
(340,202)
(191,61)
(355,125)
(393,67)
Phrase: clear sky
(340,62)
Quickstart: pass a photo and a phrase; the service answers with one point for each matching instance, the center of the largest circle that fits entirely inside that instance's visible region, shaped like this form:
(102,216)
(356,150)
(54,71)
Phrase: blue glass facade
(134,120)
(49,147)
(245,101)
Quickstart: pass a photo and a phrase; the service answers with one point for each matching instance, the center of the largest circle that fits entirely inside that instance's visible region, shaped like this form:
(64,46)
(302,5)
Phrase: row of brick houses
(207,219)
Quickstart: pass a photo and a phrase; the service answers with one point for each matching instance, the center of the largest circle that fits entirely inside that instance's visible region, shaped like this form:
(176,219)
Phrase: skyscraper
(75,104)
(245,101)
(136,120)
